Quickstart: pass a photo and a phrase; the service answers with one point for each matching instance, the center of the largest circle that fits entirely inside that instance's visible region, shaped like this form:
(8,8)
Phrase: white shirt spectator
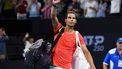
(115,6)
(91,8)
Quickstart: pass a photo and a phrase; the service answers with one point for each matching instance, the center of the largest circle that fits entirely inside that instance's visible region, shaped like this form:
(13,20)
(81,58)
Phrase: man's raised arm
(54,13)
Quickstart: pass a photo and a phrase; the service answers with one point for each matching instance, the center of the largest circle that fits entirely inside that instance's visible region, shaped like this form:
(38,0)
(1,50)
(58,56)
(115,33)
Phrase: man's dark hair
(72,12)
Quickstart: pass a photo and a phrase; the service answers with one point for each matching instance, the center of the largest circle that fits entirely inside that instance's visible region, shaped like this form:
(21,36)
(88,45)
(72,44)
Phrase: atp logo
(95,41)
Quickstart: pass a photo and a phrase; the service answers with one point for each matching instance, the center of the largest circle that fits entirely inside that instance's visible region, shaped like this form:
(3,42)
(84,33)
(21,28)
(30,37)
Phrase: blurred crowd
(41,9)
(27,40)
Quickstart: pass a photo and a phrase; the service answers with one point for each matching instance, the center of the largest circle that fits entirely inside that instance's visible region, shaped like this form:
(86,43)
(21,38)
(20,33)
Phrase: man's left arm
(86,52)
(88,56)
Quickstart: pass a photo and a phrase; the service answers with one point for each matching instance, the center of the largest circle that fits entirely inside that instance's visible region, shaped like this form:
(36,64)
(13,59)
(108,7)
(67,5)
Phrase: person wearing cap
(113,59)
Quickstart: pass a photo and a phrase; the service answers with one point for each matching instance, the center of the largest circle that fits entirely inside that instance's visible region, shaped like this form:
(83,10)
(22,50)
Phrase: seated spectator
(21,8)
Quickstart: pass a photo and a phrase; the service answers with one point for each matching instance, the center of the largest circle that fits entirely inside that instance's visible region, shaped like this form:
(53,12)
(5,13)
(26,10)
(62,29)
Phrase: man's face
(71,19)
(119,46)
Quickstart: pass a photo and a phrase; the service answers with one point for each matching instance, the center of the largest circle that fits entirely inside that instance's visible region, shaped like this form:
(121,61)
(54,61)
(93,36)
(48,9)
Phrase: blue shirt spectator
(114,57)
(34,9)
(101,8)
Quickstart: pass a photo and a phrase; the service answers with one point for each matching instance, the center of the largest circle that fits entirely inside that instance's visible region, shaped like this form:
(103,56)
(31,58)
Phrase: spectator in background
(3,38)
(90,9)
(101,8)
(46,10)
(115,7)
(75,5)
(21,8)
(34,9)
(28,41)
(113,59)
